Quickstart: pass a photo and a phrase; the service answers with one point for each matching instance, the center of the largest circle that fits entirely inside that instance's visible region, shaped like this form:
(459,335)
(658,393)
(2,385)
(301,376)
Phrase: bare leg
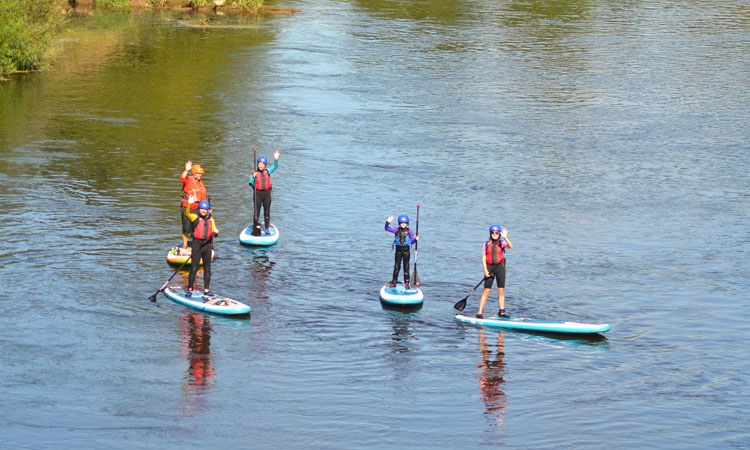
(483,300)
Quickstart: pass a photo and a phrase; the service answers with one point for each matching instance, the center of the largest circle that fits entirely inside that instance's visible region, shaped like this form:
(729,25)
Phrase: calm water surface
(611,140)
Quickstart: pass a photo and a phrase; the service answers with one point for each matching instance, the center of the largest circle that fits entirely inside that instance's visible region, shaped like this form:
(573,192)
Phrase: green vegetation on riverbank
(27,31)
(29,28)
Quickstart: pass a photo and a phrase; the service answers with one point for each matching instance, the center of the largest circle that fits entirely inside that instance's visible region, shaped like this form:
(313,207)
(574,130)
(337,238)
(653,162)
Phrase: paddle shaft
(415,277)
(461,304)
(256,220)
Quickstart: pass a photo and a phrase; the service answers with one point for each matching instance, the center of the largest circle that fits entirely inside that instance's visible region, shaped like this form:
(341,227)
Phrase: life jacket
(192,187)
(203,228)
(494,252)
(262,181)
(402,237)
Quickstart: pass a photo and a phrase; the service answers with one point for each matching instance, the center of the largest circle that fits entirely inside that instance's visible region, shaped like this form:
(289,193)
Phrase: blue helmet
(403,218)
(263,160)
(495,227)
(204,205)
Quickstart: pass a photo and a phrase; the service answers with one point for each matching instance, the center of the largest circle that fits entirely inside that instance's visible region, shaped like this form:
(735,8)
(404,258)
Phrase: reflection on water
(262,265)
(402,344)
(196,332)
(491,377)
(404,331)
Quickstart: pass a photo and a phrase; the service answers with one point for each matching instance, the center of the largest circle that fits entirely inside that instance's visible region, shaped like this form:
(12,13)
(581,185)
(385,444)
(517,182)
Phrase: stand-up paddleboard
(266,238)
(399,296)
(178,256)
(216,305)
(544,326)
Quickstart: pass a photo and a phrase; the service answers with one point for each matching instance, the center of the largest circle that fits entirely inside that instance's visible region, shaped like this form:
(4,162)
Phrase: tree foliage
(27,32)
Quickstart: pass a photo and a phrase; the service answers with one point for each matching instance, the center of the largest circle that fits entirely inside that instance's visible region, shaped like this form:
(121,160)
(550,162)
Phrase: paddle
(415,276)
(164,286)
(461,304)
(256,225)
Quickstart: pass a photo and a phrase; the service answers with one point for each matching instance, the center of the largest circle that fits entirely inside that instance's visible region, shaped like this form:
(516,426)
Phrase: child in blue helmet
(493,263)
(260,181)
(404,238)
(203,230)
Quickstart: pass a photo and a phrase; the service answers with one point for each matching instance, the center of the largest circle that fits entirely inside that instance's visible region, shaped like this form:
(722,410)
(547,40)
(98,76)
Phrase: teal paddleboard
(545,326)
(400,296)
(266,238)
(216,305)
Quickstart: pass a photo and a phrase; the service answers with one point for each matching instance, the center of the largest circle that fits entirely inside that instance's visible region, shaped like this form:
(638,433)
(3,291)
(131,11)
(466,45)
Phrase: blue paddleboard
(546,326)
(217,305)
(400,296)
(266,238)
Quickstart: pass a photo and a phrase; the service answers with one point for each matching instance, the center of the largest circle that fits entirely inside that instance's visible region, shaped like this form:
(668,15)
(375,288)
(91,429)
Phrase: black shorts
(186,227)
(497,272)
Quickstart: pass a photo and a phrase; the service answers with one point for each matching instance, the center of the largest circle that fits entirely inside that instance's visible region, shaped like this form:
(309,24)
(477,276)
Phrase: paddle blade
(415,276)
(256,230)
(461,304)
(153,297)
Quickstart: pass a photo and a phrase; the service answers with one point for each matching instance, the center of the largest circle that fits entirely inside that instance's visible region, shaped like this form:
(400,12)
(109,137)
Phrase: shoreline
(87,7)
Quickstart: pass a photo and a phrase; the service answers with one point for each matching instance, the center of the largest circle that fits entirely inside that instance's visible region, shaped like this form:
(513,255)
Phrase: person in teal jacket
(260,181)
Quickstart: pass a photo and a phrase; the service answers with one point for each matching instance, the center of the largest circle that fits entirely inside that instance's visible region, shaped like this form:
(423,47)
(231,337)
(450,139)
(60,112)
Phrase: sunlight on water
(609,139)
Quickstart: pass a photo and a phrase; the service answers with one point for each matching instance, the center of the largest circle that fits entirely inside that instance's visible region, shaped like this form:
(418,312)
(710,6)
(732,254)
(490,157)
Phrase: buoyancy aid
(203,228)
(402,237)
(191,187)
(262,180)
(494,252)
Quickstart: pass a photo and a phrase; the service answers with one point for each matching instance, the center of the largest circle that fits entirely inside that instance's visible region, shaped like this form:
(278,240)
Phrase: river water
(611,139)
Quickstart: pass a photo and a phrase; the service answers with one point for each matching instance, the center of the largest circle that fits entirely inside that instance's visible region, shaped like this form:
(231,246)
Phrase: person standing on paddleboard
(203,228)
(404,239)
(260,181)
(191,186)
(493,263)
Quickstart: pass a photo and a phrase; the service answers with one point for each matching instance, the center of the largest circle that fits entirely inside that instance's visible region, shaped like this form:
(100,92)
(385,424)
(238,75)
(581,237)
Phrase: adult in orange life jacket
(260,181)
(203,229)
(493,263)
(192,186)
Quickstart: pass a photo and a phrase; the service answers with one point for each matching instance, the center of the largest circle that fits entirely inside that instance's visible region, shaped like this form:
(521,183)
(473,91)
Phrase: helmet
(263,160)
(495,227)
(197,168)
(403,218)
(204,205)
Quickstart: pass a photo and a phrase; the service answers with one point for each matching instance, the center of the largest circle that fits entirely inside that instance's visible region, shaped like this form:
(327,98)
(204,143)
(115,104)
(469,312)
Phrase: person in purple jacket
(404,238)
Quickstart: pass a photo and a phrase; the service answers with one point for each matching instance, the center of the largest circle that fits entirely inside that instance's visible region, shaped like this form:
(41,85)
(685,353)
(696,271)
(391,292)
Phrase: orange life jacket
(192,187)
